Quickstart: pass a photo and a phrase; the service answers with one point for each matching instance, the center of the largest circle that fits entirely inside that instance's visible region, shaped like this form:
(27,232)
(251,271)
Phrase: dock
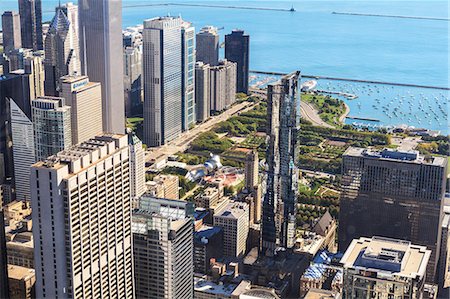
(389,16)
(363,118)
(354,80)
(339,93)
(211,6)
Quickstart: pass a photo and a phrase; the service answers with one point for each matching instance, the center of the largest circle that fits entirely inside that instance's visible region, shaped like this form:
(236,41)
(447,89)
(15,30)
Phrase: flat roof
(20,273)
(406,156)
(233,210)
(210,287)
(389,256)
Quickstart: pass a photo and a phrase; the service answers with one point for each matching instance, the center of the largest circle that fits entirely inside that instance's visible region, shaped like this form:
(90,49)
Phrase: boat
(292,8)
(308,85)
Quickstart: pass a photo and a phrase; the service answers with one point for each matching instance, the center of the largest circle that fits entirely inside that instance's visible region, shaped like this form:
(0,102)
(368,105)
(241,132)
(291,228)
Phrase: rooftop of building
(210,287)
(233,210)
(20,273)
(389,256)
(85,153)
(322,294)
(407,156)
(206,232)
(208,30)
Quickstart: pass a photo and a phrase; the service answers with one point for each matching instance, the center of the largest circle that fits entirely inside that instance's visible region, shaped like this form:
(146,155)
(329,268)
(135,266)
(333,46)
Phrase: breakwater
(354,80)
(212,6)
(389,16)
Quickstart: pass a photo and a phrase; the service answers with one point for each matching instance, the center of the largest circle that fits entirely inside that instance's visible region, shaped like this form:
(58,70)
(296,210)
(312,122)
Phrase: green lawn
(330,109)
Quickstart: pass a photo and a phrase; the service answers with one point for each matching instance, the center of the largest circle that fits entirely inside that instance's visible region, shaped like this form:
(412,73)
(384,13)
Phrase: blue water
(321,43)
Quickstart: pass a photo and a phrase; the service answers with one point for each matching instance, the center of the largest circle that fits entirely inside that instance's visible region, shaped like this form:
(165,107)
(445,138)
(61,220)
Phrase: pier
(363,118)
(212,6)
(339,93)
(354,80)
(389,16)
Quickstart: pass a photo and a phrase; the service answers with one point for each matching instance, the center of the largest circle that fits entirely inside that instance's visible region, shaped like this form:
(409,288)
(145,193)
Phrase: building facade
(207,46)
(137,166)
(405,189)
(202,96)
(23,150)
(222,85)
(82,220)
(132,58)
(12,38)
(163,249)
(187,76)
(234,221)
(162,80)
(280,202)
(85,101)
(237,49)
(100,31)
(31,24)
(51,126)
(384,268)
(61,52)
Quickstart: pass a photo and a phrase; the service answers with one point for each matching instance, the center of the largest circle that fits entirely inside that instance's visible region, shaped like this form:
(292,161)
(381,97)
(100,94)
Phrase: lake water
(318,42)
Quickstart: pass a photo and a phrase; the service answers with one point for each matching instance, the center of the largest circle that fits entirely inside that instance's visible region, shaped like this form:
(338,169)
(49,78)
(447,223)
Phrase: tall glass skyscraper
(280,202)
(162,80)
(31,24)
(237,49)
(188,75)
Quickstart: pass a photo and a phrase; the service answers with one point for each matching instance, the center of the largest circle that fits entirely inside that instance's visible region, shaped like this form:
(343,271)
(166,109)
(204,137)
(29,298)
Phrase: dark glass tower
(280,201)
(392,194)
(31,24)
(237,46)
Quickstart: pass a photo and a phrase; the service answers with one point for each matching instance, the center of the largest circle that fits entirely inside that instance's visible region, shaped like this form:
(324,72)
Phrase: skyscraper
(4,289)
(23,150)
(33,66)
(71,11)
(163,248)
(222,85)
(82,221)
(395,194)
(280,202)
(202,99)
(84,99)
(207,45)
(31,24)
(102,57)
(187,76)
(51,125)
(251,170)
(137,166)
(11,31)
(61,52)
(162,80)
(237,47)
(132,58)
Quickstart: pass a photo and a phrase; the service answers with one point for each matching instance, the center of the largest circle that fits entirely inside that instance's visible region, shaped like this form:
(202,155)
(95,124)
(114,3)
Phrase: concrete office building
(208,242)
(132,58)
(234,221)
(222,84)
(51,125)
(162,80)
(237,49)
(188,118)
(384,268)
(444,258)
(100,31)
(61,52)
(85,101)
(21,282)
(82,220)
(4,293)
(404,189)
(12,38)
(23,150)
(164,186)
(280,202)
(163,248)
(207,45)
(137,166)
(34,67)
(31,24)
(251,170)
(202,100)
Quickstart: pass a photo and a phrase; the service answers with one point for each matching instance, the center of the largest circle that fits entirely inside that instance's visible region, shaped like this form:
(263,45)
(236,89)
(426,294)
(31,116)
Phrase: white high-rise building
(23,150)
(85,100)
(162,71)
(137,166)
(82,221)
(100,31)
(222,82)
(202,101)
(71,11)
(188,75)
(51,125)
